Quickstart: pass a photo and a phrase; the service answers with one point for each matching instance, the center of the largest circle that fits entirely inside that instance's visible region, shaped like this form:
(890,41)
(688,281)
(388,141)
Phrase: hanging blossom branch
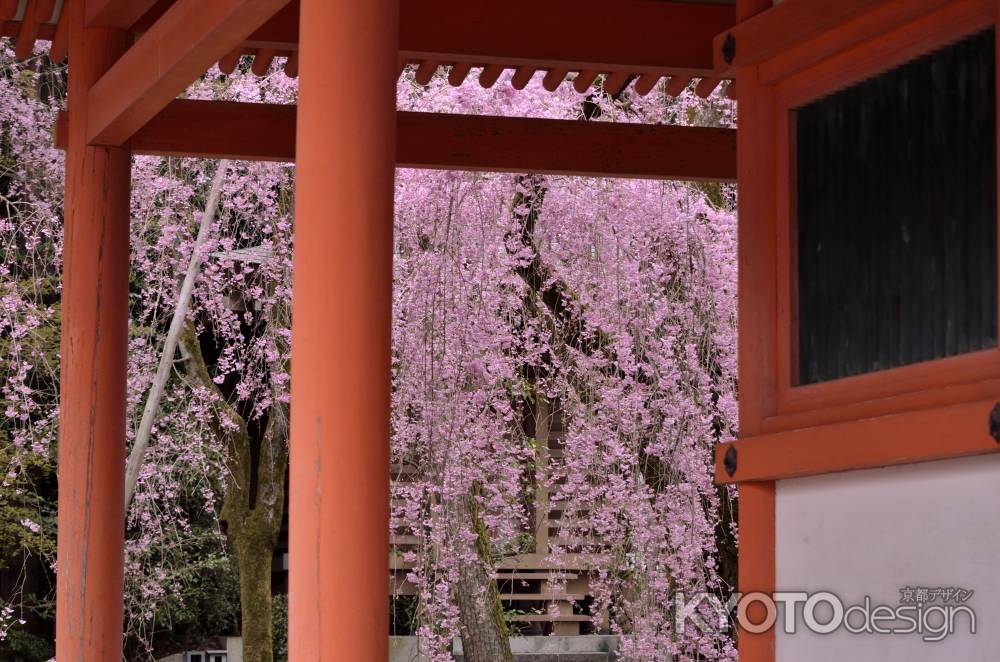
(615,301)
(636,351)
(138,452)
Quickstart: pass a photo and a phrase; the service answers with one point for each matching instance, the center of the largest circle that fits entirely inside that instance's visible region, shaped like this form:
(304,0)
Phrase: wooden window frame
(892,416)
(893,387)
(784,57)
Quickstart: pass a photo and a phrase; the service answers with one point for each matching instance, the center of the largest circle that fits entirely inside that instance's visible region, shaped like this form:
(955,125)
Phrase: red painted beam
(8,8)
(565,147)
(13,28)
(215,130)
(868,443)
(218,129)
(785,28)
(182,44)
(637,35)
(281,32)
(36,13)
(116,13)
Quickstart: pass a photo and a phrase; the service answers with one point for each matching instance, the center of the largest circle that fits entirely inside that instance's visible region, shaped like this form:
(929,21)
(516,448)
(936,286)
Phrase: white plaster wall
(873,532)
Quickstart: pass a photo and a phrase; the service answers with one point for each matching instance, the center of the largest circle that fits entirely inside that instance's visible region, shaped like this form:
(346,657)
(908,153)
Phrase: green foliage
(28,483)
(524,543)
(24,646)
(26,504)
(210,602)
(403,611)
(202,591)
(279,625)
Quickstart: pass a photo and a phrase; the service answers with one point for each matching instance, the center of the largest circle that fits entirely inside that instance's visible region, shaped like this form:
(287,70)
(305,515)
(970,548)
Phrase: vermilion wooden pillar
(339,504)
(93,370)
(757,347)
(757,350)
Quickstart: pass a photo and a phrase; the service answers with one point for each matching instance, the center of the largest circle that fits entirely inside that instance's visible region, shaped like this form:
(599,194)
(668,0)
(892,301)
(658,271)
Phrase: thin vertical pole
(758,351)
(91,522)
(339,503)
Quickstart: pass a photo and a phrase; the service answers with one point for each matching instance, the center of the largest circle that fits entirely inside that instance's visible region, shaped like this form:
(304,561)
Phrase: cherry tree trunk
(251,519)
(483,629)
(250,546)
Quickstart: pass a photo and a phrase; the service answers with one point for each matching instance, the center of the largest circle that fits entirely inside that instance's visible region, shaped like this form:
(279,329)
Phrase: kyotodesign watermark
(933,614)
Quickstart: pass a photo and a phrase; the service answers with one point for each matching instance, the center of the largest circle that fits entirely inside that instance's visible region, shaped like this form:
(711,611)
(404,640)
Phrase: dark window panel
(896,216)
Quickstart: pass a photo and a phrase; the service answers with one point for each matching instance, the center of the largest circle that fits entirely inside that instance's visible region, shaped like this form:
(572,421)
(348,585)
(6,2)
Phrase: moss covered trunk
(482,625)
(254,502)
(255,597)
(252,523)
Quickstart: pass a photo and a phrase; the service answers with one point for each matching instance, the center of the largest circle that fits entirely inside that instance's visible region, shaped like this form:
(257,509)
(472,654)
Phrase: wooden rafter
(13,28)
(793,22)
(217,129)
(641,40)
(120,14)
(635,35)
(565,34)
(182,44)
(36,13)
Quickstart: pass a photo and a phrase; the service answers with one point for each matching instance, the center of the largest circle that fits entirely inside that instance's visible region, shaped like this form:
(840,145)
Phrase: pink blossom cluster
(648,273)
(639,361)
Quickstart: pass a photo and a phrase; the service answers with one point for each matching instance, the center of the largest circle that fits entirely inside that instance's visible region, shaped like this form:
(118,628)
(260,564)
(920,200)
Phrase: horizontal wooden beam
(120,14)
(567,147)
(915,27)
(628,35)
(819,28)
(11,29)
(905,438)
(214,130)
(181,45)
(266,132)
(631,35)
(280,33)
